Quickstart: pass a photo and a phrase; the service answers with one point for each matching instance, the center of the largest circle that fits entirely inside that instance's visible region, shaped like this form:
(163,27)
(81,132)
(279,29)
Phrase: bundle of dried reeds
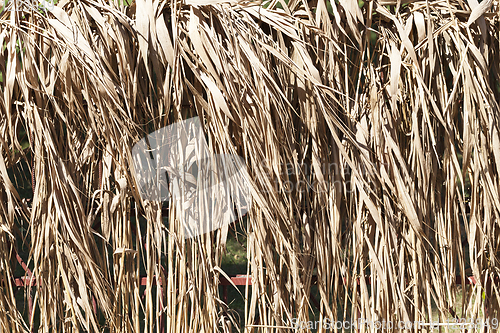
(370,131)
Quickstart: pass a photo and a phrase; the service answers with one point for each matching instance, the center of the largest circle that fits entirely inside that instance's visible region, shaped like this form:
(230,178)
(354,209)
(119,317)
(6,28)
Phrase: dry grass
(407,117)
